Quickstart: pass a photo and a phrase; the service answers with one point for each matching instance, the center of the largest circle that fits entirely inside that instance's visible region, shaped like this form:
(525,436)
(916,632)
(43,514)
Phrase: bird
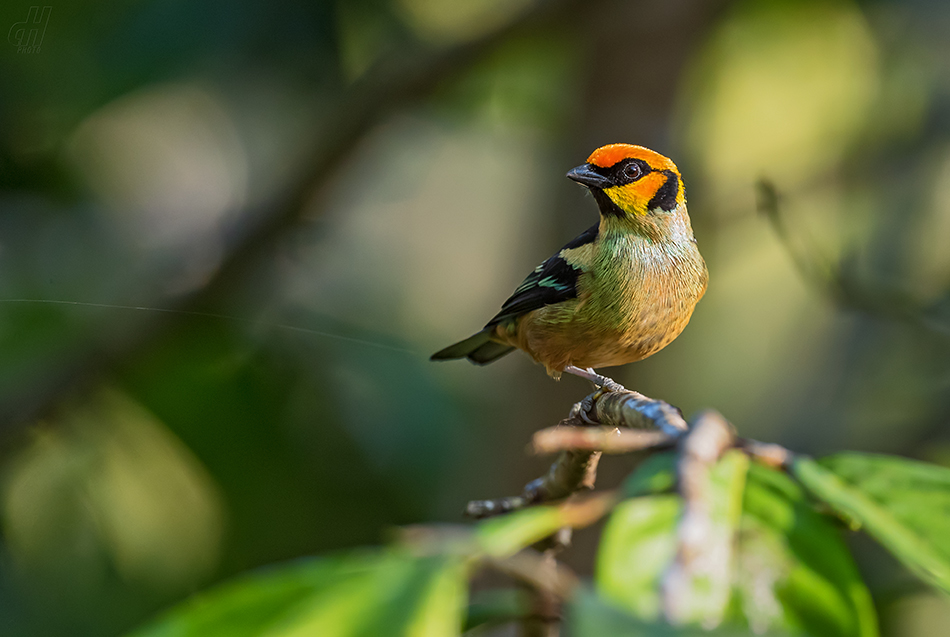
(619,292)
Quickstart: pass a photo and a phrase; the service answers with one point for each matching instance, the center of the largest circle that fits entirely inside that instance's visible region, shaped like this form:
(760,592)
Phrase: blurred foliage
(898,502)
(772,563)
(147,454)
(359,595)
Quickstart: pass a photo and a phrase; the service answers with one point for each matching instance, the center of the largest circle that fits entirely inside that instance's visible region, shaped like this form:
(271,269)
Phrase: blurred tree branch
(396,81)
(840,282)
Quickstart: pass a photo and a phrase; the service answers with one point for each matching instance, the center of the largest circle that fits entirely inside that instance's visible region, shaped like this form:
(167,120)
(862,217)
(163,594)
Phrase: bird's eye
(631,171)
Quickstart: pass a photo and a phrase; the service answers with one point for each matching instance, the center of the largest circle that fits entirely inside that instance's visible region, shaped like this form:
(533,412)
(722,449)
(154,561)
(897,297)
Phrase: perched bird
(621,291)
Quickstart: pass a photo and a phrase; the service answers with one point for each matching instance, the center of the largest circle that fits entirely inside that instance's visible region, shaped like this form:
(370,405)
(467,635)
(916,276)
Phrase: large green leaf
(656,474)
(369,594)
(793,571)
(903,504)
(636,548)
(701,578)
(639,543)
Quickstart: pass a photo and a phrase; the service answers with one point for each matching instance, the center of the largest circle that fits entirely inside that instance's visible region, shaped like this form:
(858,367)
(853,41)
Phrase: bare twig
(843,287)
(604,439)
(546,619)
(572,472)
(478,509)
(635,411)
(576,467)
(767,453)
(547,582)
(537,571)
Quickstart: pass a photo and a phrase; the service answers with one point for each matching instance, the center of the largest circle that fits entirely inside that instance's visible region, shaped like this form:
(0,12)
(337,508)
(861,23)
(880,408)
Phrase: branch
(834,280)
(697,585)
(636,411)
(538,571)
(578,438)
(767,453)
(573,471)
(605,439)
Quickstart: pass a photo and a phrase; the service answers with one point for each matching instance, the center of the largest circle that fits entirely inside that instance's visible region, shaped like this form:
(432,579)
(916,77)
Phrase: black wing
(553,281)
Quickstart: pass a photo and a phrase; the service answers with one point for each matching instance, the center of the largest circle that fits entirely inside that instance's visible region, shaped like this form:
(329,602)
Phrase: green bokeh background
(146,455)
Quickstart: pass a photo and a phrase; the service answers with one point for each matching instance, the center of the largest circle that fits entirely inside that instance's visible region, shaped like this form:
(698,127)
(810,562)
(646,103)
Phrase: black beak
(585,175)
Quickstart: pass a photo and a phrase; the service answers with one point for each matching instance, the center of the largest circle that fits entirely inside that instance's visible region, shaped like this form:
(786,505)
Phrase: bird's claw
(586,406)
(603,386)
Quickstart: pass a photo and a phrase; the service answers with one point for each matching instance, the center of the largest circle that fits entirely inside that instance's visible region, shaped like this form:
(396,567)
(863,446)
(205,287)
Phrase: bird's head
(630,181)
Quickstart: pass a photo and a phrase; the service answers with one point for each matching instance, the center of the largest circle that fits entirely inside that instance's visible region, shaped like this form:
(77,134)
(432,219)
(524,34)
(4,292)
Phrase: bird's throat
(663,227)
(607,206)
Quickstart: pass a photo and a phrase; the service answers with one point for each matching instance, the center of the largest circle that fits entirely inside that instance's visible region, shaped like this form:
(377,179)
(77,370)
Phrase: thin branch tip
(604,422)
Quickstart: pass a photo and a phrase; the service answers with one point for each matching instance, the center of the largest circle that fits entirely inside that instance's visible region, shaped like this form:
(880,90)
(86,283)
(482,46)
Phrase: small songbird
(621,291)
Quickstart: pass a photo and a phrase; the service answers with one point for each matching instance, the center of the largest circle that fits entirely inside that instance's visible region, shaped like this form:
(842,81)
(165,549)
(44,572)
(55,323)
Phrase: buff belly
(620,315)
(569,334)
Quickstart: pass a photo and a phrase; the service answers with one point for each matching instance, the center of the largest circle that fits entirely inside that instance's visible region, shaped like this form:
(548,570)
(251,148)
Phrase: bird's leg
(603,383)
(607,384)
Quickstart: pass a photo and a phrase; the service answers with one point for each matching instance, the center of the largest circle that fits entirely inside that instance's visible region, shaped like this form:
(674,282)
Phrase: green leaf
(656,474)
(505,535)
(498,606)
(903,504)
(639,543)
(589,615)
(793,571)
(364,594)
(703,582)
(636,548)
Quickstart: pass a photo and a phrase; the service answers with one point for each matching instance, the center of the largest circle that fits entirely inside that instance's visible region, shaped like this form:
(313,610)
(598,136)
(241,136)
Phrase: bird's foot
(604,383)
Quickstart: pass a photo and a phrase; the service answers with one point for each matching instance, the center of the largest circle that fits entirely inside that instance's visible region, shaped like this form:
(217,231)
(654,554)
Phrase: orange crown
(607,156)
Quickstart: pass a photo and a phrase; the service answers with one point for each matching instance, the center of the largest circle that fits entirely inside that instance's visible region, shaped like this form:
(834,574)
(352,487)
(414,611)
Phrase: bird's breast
(636,297)
(636,281)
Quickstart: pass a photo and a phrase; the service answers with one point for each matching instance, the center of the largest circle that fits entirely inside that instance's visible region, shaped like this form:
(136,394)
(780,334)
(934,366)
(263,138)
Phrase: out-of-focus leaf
(368,594)
(656,474)
(589,615)
(505,535)
(105,485)
(637,546)
(793,570)
(639,543)
(699,583)
(497,606)
(903,504)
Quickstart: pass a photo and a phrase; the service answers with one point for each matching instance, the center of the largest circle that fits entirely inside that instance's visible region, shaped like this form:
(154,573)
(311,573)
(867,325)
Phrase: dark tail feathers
(478,348)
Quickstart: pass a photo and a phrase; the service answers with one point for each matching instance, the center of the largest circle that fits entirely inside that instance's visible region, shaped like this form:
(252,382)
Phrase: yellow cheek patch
(633,198)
